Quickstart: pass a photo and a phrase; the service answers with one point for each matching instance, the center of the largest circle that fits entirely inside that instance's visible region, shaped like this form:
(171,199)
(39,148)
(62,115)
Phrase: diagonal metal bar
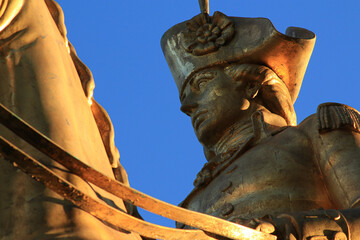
(96,208)
(198,220)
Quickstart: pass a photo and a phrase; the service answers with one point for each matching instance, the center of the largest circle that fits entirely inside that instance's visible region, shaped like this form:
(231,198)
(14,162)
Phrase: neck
(241,131)
(234,137)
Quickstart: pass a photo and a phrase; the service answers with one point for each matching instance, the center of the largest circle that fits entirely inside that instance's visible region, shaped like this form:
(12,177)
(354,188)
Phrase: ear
(252,89)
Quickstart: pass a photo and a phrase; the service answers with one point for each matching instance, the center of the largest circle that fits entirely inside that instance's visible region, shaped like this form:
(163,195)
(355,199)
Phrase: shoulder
(333,116)
(334,125)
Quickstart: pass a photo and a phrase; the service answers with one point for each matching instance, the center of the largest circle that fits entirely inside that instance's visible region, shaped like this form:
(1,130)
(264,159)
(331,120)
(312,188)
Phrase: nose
(188,103)
(188,109)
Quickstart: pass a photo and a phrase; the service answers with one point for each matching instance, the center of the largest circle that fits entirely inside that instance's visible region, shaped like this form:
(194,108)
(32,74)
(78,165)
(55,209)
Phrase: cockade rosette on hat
(206,34)
(205,41)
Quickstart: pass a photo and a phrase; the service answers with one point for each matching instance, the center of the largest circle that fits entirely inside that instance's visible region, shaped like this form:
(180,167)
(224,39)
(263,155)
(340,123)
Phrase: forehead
(205,73)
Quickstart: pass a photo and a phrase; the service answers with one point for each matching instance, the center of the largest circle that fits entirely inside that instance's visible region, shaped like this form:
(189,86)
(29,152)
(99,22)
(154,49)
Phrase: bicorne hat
(205,41)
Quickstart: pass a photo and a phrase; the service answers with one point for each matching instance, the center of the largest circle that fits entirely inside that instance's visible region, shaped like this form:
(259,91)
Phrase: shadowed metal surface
(45,145)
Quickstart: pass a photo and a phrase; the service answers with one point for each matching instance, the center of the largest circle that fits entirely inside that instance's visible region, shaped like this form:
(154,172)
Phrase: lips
(196,120)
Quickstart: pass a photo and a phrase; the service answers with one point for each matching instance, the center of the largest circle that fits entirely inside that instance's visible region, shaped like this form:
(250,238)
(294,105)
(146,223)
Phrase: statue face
(214,101)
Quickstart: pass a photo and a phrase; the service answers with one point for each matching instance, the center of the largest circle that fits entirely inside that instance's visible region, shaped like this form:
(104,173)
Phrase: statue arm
(337,141)
(339,152)
(340,164)
(335,133)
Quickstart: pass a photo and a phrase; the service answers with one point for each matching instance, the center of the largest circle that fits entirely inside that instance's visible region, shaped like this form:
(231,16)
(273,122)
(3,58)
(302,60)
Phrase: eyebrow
(195,78)
(206,75)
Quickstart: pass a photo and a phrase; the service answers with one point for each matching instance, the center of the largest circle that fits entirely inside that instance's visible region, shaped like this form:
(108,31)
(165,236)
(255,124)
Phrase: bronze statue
(44,82)
(53,130)
(238,79)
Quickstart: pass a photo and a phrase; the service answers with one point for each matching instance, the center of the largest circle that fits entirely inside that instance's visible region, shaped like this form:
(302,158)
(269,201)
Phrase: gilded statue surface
(238,79)
(44,82)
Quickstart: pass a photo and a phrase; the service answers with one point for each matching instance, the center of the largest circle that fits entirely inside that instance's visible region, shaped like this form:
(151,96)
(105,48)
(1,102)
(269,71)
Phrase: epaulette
(333,116)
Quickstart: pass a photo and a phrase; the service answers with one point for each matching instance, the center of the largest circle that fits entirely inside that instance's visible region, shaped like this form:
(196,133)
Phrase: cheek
(213,96)
(230,104)
(218,92)
(217,89)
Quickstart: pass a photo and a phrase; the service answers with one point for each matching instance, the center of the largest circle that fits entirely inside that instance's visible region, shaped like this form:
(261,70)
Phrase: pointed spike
(204,6)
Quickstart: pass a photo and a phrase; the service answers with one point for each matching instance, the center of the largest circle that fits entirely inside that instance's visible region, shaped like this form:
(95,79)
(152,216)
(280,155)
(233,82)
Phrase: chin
(207,133)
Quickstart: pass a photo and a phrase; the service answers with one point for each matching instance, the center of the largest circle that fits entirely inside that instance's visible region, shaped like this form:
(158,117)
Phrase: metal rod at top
(204,6)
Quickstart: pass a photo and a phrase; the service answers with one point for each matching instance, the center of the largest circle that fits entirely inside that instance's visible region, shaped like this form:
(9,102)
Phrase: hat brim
(255,41)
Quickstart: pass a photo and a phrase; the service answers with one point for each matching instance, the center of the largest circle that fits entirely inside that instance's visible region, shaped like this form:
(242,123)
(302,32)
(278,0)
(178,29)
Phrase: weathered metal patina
(238,79)
(110,214)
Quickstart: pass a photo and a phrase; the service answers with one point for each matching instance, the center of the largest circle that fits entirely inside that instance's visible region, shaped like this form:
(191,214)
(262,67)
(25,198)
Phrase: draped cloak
(43,82)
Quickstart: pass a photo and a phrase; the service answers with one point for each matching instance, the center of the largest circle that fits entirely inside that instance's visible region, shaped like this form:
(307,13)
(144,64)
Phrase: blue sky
(120,42)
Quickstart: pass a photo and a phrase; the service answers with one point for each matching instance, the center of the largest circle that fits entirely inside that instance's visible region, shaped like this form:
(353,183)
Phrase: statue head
(228,67)
(218,98)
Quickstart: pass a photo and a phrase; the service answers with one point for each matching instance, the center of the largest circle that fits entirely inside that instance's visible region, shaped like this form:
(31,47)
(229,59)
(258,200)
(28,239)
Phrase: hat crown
(207,34)
(203,42)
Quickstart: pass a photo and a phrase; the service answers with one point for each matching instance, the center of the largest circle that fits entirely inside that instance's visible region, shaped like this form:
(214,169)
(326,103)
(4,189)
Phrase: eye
(202,83)
(201,80)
